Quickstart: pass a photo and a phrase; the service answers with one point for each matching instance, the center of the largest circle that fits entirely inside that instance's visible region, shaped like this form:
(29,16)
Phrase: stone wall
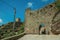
(33,18)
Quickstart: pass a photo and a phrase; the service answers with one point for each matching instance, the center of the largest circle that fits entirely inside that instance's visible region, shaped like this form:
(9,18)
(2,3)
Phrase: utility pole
(14,19)
(14,12)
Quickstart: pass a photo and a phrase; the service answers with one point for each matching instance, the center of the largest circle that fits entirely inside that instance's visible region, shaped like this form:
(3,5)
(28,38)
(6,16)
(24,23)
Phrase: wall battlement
(35,18)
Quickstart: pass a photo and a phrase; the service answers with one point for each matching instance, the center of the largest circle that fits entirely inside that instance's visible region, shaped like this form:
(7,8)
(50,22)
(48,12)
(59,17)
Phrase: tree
(58,4)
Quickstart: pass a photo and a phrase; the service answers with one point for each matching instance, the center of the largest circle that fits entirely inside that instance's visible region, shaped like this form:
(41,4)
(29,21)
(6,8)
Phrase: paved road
(40,37)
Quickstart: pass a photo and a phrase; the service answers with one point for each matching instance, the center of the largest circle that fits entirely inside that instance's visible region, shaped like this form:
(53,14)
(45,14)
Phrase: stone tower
(34,18)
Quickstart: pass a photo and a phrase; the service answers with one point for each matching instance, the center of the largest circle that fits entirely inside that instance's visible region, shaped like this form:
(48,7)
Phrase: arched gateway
(33,19)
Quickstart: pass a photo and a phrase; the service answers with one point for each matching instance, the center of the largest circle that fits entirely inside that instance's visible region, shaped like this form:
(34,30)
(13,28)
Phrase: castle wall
(33,19)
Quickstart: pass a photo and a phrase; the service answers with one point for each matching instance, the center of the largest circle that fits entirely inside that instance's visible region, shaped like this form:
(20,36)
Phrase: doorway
(42,29)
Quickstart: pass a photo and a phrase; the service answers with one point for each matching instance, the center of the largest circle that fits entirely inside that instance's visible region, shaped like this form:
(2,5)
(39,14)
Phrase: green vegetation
(7,29)
(58,4)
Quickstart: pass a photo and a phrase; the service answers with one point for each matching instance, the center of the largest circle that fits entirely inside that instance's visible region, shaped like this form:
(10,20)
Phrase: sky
(7,11)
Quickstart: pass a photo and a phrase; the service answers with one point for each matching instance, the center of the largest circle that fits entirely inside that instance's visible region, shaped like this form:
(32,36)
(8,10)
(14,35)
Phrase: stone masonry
(33,18)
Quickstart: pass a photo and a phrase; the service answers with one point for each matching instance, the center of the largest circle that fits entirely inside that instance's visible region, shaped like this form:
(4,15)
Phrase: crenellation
(35,18)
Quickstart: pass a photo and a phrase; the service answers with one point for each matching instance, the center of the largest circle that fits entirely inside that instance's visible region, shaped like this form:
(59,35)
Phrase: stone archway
(42,29)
